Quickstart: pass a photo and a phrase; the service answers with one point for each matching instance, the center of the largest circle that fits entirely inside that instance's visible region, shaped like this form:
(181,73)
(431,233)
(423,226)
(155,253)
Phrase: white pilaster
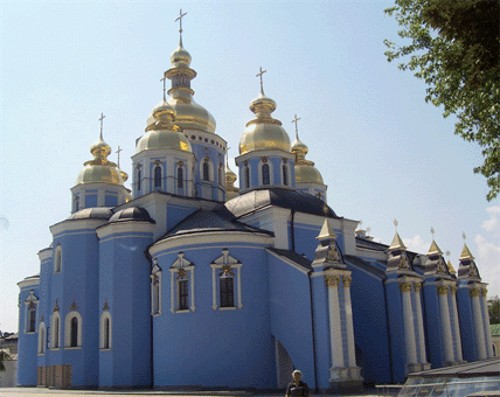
(346,280)
(486,323)
(445,324)
(409,331)
(456,325)
(336,352)
(478,322)
(420,325)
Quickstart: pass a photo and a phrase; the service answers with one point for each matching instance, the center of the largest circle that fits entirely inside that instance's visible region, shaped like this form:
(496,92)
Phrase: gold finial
(118,153)
(433,232)
(464,237)
(179,18)
(296,121)
(396,223)
(163,80)
(101,120)
(259,75)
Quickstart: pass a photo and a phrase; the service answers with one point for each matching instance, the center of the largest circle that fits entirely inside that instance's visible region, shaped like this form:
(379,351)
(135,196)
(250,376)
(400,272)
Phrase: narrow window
(41,338)
(206,171)
(285,175)
(265,175)
(219,174)
(155,291)
(106,330)
(180,177)
(247,176)
(74,333)
(58,259)
(77,202)
(183,295)
(227,292)
(157,176)
(139,177)
(31,317)
(55,332)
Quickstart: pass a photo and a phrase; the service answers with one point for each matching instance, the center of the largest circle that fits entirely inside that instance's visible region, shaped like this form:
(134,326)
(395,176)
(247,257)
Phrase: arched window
(219,174)
(58,259)
(246,172)
(285,174)
(157,176)
(226,291)
(73,330)
(206,170)
(41,338)
(182,285)
(180,177)
(226,282)
(77,202)
(183,291)
(266,175)
(105,339)
(156,290)
(31,303)
(55,331)
(139,176)
(31,317)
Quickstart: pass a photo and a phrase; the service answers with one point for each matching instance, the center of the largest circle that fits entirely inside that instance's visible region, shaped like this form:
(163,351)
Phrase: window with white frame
(73,330)
(55,330)
(246,175)
(58,259)
(205,169)
(41,338)
(157,175)
(180,175)
(31,303)
(182,285)
(284,169)
(266,174)
(105,330)
(156,274)
(226,282)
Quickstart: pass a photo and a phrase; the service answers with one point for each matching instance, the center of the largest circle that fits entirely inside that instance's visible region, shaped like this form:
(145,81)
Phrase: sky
(383,152)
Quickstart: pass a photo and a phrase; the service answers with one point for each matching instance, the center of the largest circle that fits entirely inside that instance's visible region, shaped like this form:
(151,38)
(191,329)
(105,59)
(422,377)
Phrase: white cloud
(488,250)
(492,225)
(416,244)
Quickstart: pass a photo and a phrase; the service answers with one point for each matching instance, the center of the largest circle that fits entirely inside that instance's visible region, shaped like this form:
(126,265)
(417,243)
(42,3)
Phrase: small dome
(264,132)
(307,173)
(132,214)
(192,116)
(299,148)
(95,173)
(92,213)
(180,58)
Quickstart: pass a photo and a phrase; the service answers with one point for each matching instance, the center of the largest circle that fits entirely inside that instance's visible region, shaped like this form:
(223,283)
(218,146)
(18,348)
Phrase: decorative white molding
(41,338)
(156,290)
(55,330)
(103,343)
(84,226)
(67,330)
(29,282)
(181,269)
(118,228)
(227,264)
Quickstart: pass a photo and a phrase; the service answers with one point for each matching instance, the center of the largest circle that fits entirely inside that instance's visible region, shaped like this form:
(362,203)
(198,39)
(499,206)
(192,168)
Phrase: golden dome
(264,132)
(306,172)
(299,148)
(180,57)
(192,116)
(100,169)
(162,133)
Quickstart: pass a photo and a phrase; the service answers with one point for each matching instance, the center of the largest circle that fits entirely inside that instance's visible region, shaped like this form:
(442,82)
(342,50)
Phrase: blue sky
(383,151)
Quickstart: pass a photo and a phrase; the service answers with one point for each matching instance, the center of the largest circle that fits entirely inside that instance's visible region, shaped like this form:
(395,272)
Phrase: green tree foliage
(3,357)
(453,45)
(494,310)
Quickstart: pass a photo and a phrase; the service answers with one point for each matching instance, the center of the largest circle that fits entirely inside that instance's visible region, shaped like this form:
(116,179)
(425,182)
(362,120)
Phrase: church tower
(265,158)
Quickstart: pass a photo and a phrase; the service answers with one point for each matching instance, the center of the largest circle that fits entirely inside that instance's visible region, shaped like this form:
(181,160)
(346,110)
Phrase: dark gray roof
(363,242)
(376,269)
(294,257)
(91,213)
(132,214)
(284,198)
(204,221)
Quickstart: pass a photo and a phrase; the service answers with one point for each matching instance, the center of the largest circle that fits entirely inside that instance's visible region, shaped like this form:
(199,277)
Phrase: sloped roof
(279,197)
(205,221)
(371,267)
(294,257)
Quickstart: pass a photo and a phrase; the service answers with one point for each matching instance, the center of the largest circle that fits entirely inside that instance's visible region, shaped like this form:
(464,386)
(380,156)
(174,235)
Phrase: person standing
(297,388)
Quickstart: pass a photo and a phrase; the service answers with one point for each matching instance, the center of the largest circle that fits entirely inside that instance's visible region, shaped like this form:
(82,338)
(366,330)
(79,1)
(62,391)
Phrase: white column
(351,352)
(446,335)
(456,325)
(486,323)
(409,331)
(337,353)
(478,322)
(420,323)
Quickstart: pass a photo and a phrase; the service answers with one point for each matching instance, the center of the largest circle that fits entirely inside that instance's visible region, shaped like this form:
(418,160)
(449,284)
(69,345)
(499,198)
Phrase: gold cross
(296,121)
(118,152)
(396,223)
(101,119)
(163,79)
(259,75)
(179,18)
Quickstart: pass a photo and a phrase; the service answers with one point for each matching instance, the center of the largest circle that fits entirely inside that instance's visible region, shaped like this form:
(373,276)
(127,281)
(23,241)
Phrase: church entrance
(284,365)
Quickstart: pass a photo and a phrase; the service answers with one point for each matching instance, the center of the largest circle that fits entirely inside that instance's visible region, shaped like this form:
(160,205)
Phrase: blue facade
(173,286)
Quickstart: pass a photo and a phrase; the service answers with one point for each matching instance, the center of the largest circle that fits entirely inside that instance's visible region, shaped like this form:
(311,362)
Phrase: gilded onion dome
(189,114)
(100,169)
(263,132)
(162,131)
(305,171)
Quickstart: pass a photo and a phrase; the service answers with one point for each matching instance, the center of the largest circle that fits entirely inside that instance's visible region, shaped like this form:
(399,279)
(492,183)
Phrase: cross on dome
(296,121)
(259,75)
(432,232)
(118,151)
(163,80)
(101,120)
(179,18)
(396,223)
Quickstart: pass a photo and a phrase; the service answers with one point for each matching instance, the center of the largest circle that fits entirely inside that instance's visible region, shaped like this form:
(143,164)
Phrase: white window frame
(31,301)
(210,169)
(67,330)
(41,338)
(58,259)
(181,269)
(105,315)
(156,276)
(225,261)
(286,163)
(55,331)
(266,160)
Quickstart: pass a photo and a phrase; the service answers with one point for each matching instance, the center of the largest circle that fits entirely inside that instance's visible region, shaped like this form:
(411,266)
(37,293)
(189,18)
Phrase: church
(187,280)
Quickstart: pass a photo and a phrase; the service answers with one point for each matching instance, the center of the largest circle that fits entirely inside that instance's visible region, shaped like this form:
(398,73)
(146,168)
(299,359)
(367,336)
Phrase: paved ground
(41,392)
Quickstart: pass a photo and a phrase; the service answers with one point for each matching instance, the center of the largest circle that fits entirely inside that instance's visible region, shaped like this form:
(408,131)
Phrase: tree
(3,357)
(454,47)
(494,310)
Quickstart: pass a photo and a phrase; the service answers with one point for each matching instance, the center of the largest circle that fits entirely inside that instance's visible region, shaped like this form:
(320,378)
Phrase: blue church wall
(80,258)
(111,199)
(396,331)
(176,213)
(370,326)
(27,347)
(216,157)
(90,200)
(466,321)
(124,290)
(230,339)
(287,308)
(432,322)
(305,239)
(45,290)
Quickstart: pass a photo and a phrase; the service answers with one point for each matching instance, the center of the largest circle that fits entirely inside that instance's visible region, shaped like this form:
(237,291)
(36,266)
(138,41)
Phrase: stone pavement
(42,392)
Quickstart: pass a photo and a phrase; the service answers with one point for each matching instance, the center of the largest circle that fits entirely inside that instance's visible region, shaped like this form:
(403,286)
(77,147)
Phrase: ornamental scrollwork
(405,287)
(442,290)
(332,281)
(475,292)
